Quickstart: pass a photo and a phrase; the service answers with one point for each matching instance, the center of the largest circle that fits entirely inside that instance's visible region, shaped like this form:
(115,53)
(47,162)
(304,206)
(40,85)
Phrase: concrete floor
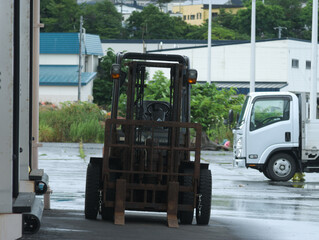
(245,205)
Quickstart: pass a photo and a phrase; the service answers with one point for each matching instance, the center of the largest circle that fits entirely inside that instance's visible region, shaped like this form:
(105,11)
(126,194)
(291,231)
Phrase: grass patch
(72,122)
(82,154)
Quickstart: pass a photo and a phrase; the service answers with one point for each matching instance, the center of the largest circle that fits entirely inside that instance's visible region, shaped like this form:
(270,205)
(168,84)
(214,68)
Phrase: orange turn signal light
(252,165)
(192,80)
(115,76)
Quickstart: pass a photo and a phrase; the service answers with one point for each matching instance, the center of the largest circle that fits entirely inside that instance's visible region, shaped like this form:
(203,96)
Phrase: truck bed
(312,135)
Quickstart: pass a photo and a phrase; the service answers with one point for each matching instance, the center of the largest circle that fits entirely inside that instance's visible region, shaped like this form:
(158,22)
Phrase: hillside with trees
(151,23)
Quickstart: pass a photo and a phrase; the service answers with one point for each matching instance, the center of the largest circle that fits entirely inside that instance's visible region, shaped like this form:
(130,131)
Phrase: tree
(103,19)
(306,19)
(292,12)
(60,15)
(210,105)
(151,23)
(158,88)
(218,33)
(267,17)
(224,18)
(102,86)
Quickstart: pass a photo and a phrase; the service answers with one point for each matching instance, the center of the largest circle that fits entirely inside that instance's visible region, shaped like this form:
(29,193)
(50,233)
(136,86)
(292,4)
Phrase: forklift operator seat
(155,110)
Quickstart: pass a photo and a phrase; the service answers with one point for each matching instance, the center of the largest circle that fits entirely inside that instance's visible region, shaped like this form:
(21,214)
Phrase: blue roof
(68,43)
(63,75)
(93,44)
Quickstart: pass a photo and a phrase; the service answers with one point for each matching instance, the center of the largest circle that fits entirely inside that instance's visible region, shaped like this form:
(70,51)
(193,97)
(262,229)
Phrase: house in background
(59,66)
(198,14)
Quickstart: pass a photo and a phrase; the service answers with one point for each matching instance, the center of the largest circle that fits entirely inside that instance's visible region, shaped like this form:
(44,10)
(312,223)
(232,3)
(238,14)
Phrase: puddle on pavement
(305,185)
(266,207)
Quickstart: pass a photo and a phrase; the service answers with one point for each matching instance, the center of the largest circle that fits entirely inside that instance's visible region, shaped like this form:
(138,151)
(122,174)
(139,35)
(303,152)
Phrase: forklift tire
(281,167)
(205,197)
(108,212)
(186,217)
(92,191)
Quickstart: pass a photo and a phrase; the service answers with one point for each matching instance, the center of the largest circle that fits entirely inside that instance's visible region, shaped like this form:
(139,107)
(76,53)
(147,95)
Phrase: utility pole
(253,47)
(314,59)
(209,42)
(80,60)
(279,30)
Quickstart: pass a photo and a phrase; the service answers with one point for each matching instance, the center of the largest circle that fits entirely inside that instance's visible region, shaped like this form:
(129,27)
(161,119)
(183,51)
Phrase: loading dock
(20,209)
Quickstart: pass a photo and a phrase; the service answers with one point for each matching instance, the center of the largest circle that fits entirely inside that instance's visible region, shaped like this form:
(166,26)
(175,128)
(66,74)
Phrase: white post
(253,47)
(35,82)
(24,136)
(80,60)
(6,106)
(209,42)
(314,52)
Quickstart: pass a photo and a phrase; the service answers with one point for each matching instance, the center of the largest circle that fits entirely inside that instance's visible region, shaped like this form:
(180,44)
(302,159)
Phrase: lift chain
(199,207)
(100,201)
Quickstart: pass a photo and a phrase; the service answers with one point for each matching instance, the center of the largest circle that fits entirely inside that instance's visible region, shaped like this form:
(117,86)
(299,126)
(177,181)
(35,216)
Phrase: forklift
(149,162)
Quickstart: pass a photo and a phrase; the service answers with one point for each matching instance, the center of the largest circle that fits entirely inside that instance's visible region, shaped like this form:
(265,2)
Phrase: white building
(59,66)
(137,45)
(282,64)
(126,10)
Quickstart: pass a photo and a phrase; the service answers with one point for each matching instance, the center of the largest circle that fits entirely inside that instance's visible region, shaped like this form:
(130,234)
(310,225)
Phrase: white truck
(275,135)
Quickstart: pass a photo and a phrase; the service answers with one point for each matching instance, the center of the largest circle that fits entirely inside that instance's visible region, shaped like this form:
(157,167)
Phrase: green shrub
(88,131)
(46,133)
(73,122)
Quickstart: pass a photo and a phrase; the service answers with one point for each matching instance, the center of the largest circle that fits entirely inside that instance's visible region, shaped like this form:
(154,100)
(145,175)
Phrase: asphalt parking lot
(245,205)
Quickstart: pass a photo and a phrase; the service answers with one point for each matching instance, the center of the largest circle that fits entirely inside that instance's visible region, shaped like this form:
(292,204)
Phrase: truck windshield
(242,113)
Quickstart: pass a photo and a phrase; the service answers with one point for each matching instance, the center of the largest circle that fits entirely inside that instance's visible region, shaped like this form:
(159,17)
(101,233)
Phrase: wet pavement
(245,205)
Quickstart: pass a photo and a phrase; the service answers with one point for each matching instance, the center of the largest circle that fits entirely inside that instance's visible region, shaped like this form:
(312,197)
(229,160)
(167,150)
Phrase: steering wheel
(160,109)
(268,120)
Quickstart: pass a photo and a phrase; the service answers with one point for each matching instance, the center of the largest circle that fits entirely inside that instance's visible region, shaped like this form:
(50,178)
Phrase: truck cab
(272,133)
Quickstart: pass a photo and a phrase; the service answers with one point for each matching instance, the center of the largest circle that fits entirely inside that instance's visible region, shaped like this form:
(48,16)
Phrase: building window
(184,17)
(295,63)
(214,14)
(192,17)
(187,17)
(308,64)
(199,16)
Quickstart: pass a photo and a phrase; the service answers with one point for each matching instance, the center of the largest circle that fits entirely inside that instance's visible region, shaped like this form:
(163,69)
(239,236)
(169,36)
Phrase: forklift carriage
(147,163)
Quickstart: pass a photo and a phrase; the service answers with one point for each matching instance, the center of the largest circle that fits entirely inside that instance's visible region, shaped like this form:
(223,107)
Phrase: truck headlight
(239,143)
(239,147)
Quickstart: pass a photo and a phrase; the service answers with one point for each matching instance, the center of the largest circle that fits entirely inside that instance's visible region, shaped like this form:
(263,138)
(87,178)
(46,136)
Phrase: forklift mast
(179,90)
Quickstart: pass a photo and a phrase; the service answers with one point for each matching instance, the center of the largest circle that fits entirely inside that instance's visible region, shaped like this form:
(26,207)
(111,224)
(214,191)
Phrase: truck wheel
(281,167)
(92,191)
(265,172)
(205,197)
(186,217)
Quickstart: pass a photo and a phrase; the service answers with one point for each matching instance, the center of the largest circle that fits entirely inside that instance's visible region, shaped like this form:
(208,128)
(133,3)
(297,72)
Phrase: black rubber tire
(92,191)
(205,189)
(186,217)
(266,174)
(281,160)
(107,213)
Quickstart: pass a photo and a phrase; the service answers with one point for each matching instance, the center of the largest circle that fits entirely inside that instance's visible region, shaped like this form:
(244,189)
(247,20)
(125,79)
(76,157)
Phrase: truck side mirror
(230,116)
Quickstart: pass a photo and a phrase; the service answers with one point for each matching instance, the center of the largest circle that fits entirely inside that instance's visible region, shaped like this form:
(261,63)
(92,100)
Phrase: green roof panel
(63,75)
